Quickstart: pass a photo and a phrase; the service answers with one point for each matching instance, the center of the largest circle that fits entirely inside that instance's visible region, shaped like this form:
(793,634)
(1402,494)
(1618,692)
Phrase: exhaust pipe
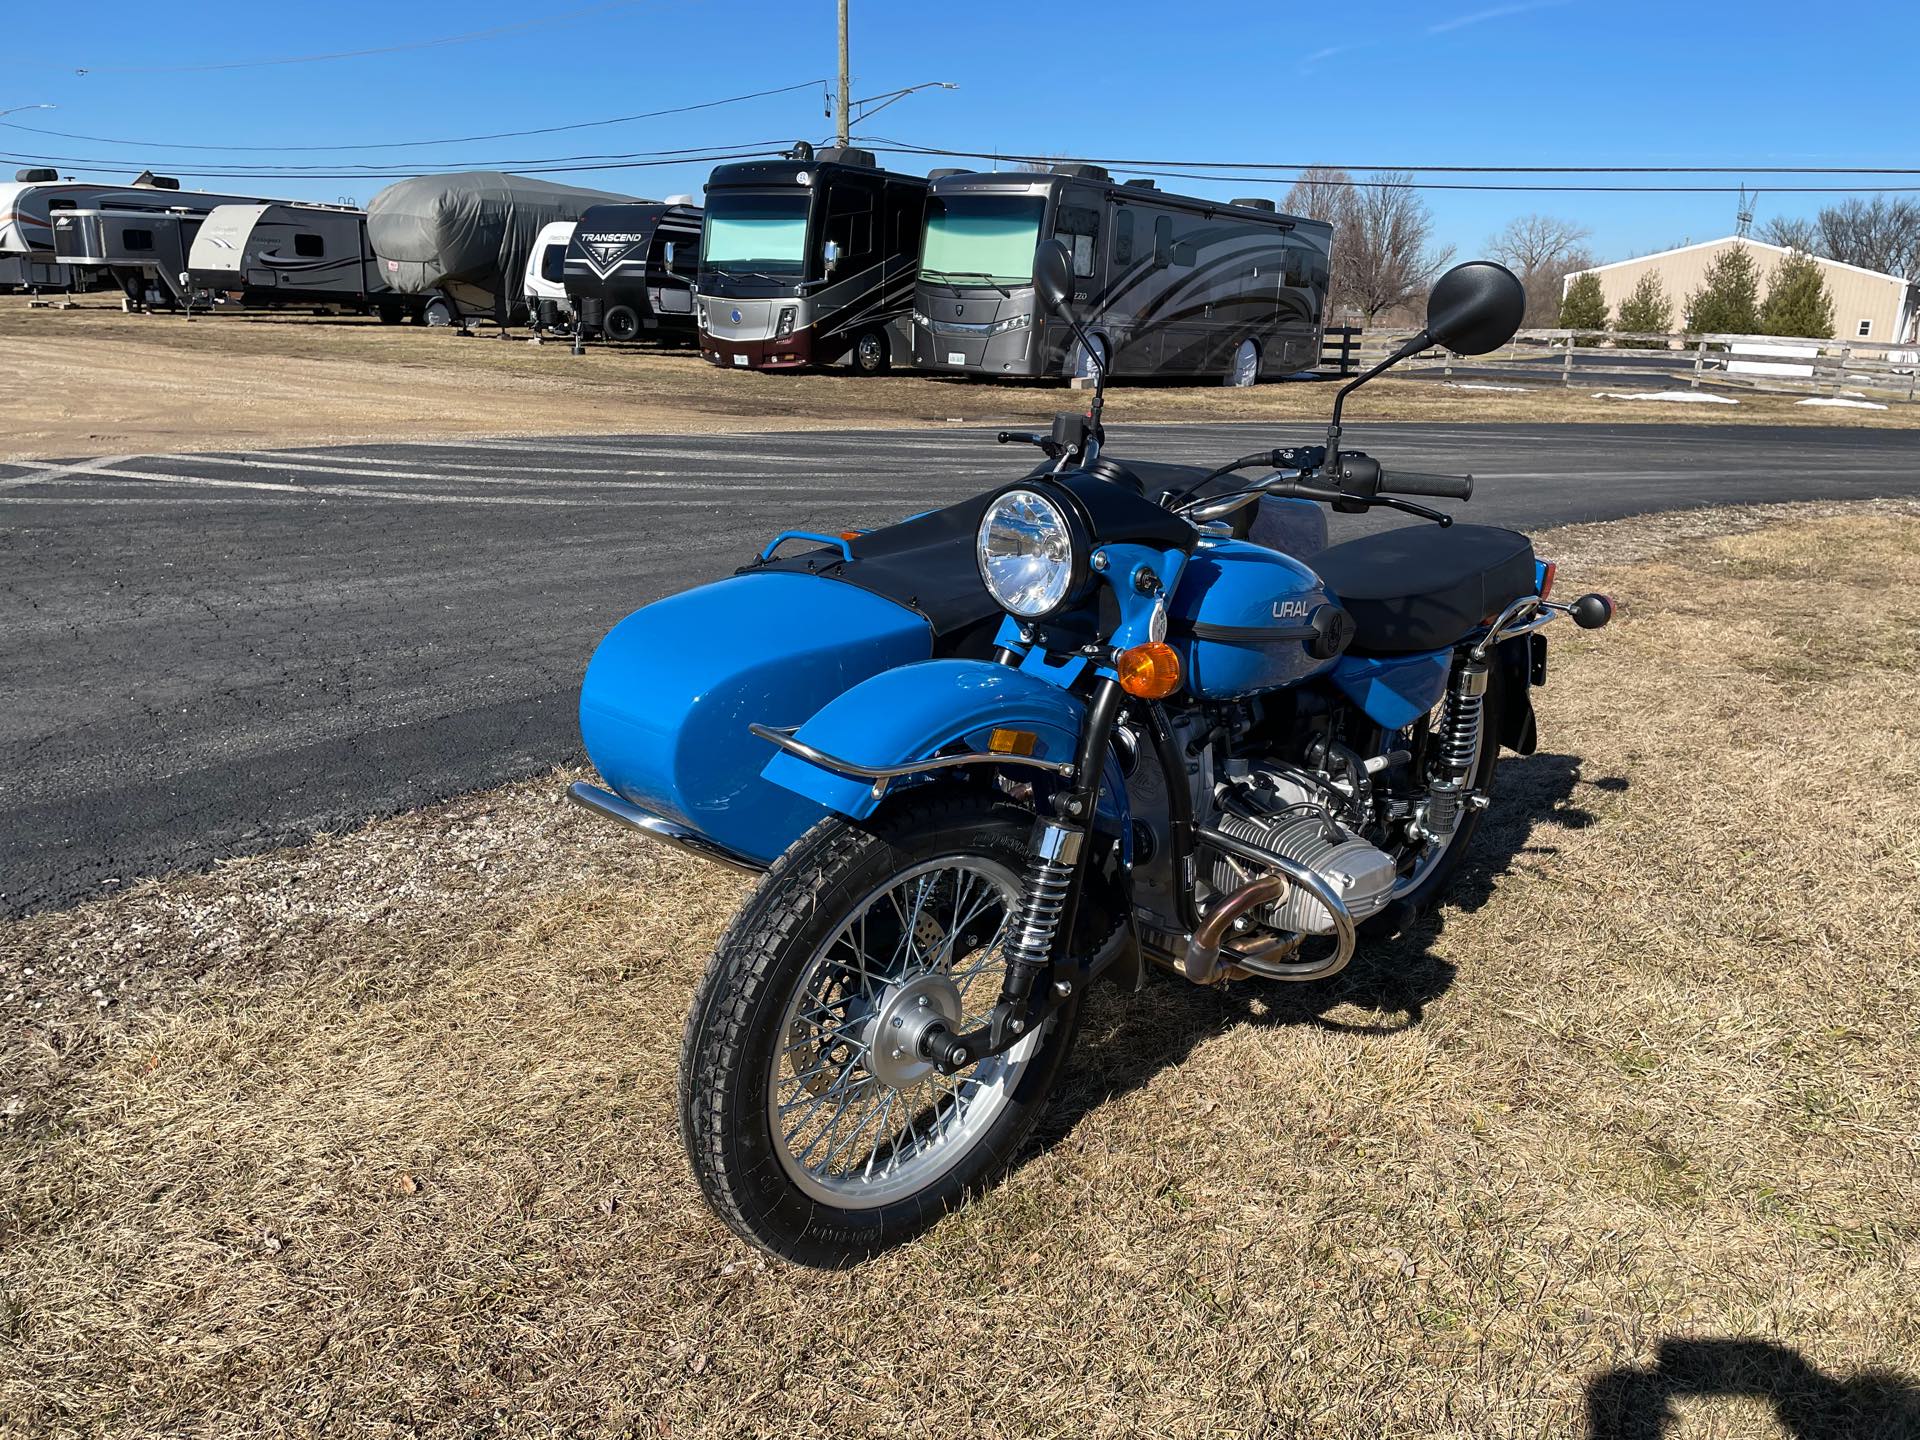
(1202,964)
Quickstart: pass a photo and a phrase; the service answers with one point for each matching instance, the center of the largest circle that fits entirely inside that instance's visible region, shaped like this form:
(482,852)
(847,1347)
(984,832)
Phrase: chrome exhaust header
(1203,959)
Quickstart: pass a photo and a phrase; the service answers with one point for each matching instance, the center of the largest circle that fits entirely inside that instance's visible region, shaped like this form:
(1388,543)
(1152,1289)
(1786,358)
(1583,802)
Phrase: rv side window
(1079,226)
(1162,240)
(553,264)
(1299,272)
(906,213)
(136,239)
(60,205)
(1123,236)
(309,245)
(850,226)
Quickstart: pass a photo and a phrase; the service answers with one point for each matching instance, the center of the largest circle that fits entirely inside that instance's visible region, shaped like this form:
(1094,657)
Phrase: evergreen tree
(1728,303)
(1647,311)
(1797,300)
(1584,306)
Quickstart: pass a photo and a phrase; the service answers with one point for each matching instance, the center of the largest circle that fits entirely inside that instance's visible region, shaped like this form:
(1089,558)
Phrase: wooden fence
(1788,365)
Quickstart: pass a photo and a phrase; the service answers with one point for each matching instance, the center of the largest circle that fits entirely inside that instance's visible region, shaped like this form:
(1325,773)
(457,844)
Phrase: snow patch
(1679,397)
(1844,402)
(1472,385)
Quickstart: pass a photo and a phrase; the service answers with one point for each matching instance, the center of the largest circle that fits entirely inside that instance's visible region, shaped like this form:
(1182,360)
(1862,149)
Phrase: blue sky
(1525,82)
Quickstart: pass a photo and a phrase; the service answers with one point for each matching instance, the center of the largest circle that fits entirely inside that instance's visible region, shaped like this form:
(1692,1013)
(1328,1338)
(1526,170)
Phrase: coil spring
(1041,903)
(1458,750)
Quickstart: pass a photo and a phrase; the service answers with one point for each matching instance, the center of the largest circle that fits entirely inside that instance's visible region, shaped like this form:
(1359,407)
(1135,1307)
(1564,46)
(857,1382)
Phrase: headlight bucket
(1031,551)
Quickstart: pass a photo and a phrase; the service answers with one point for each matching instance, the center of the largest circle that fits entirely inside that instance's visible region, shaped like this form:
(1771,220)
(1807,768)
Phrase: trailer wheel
(871,353)
(440,314)
(621,323)
(1245,369)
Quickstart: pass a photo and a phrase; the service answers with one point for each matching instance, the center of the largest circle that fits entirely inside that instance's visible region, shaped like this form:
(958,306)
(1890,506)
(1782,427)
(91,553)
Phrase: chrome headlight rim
(1079,548)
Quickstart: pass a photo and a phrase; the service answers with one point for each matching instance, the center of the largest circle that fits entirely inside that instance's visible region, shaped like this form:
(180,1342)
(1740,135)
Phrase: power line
(689,159)
(415,144)
(374,171)
(461,39)
(1146,166)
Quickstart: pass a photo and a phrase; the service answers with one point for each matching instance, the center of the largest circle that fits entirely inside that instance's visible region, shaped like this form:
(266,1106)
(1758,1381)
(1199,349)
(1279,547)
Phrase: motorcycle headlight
(1028,557)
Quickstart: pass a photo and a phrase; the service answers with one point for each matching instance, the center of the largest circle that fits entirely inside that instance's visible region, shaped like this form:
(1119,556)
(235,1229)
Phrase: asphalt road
(207,655)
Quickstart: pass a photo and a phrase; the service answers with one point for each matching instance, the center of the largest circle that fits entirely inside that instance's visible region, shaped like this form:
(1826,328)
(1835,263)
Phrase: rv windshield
(981,239)
(766,233)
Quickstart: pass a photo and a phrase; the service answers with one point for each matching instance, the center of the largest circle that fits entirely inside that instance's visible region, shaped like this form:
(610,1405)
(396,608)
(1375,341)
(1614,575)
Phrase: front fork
(1041,930)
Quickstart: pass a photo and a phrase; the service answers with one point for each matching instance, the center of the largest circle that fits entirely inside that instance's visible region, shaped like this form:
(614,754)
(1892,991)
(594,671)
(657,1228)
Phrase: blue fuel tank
(1243,616)
(669,694)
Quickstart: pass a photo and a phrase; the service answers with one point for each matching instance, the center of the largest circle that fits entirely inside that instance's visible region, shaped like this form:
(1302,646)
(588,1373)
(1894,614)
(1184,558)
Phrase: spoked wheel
(815,1129)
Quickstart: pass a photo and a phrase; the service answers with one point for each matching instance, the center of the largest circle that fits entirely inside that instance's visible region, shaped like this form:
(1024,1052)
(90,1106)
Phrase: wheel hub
(907,1011)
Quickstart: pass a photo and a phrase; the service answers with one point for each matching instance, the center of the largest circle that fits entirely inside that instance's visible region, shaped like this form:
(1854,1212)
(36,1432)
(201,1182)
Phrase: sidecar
(671,691)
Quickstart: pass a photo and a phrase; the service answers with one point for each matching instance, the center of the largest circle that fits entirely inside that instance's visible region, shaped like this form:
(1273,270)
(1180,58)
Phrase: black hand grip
(1445,487)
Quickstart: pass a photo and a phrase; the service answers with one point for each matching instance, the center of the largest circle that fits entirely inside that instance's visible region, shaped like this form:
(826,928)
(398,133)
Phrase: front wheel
(1244,370)
(871,353)
(815,1130)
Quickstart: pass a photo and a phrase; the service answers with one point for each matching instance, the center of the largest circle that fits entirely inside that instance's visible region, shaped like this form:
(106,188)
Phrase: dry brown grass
(376,1136)
(92,381)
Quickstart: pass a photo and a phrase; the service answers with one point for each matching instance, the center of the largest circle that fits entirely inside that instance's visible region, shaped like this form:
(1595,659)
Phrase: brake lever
(1026,437)
(1394,502)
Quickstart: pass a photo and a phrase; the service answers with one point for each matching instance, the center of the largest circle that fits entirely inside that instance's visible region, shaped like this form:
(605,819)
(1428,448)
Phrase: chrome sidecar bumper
(612,807)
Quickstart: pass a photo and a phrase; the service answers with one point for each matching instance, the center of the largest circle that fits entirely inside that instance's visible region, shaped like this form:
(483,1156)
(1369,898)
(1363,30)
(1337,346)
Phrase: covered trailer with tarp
(462,241)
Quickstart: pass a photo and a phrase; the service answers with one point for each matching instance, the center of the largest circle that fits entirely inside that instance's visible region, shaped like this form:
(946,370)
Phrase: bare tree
(1390,257)
(1326,194)
(1542,250)
(1794,233)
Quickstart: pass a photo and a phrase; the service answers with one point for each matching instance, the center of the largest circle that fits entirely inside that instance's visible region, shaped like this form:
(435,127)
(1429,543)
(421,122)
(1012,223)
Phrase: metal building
(1867,305)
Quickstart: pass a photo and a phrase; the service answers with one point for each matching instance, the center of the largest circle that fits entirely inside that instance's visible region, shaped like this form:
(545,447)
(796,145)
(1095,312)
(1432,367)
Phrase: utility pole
(840,125)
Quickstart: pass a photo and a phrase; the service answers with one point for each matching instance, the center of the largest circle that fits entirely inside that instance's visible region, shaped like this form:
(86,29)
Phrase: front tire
(871,353)
(1244,370)
(812,1134)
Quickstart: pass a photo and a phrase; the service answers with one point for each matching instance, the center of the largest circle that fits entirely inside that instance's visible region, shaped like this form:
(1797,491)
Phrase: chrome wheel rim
(1246,363)
(869,352)
(858,1120)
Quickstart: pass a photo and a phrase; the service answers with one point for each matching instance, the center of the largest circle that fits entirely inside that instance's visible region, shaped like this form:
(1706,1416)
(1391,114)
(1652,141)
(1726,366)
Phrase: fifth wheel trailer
(287,254)
(30,204)
(1167,285)
(460,242)
(143,251)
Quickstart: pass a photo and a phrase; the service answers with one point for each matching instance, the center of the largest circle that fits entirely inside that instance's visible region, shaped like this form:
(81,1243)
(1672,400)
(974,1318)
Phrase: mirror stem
(1099,363)
(1412,347)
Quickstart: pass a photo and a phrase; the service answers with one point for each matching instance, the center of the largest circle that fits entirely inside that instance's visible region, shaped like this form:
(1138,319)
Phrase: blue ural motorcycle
(1108,715)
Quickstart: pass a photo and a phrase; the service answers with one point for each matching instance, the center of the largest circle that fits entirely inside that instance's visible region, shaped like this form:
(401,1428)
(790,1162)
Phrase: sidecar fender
(917,711)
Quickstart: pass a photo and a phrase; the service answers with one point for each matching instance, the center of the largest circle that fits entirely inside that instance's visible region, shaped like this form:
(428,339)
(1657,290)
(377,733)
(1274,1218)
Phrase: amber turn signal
(1150,671)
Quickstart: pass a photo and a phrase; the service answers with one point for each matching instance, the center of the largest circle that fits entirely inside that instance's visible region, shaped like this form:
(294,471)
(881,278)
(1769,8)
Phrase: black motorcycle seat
(1423,588)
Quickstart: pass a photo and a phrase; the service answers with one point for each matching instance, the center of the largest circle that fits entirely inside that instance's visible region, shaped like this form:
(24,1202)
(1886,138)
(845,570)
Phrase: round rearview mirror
(1475,307)
(1053,275)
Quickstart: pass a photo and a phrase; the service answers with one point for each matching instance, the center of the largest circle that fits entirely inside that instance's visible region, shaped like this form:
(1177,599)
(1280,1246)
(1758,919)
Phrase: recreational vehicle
(144,252)
(1166,285)
(630,270)
(460,242)
(808,260)
(28,207)
(545,283)
(285,254)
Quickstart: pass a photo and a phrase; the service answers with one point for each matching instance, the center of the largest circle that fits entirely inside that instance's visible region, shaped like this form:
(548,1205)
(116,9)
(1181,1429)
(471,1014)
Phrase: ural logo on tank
(603,252)
(1291,609)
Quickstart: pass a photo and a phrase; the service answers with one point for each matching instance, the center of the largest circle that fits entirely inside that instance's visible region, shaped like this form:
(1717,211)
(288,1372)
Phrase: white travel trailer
(549,307)
(278,254)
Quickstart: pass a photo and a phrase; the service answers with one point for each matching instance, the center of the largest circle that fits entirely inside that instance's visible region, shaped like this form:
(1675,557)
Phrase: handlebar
(1444,487)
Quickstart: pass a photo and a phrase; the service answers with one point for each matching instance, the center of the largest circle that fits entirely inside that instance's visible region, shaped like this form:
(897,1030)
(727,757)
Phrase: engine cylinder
(1363,874)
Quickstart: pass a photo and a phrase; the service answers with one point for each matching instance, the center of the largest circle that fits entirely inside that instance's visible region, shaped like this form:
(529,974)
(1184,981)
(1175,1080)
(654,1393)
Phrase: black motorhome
(1166,284)
(808,260)
(630,271)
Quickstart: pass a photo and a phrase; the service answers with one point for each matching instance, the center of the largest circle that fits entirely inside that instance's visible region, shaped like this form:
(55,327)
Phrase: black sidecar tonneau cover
(925,564)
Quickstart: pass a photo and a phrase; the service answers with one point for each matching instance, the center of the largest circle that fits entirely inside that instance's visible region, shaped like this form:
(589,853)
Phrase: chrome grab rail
(611,807)
(1202,963)
(883,775)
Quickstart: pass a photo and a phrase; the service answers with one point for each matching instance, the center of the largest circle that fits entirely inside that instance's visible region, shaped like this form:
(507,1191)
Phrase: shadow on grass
(1128,1040)
(1635,1403)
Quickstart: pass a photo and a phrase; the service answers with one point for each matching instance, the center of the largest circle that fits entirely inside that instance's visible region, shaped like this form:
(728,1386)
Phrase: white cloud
(1497,12)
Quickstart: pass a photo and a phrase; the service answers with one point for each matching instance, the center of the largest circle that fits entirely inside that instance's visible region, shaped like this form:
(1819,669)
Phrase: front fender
(916,711)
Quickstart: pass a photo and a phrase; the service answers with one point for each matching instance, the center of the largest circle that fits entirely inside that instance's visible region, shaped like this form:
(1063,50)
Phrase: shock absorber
(1456,747)
(1043,902)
